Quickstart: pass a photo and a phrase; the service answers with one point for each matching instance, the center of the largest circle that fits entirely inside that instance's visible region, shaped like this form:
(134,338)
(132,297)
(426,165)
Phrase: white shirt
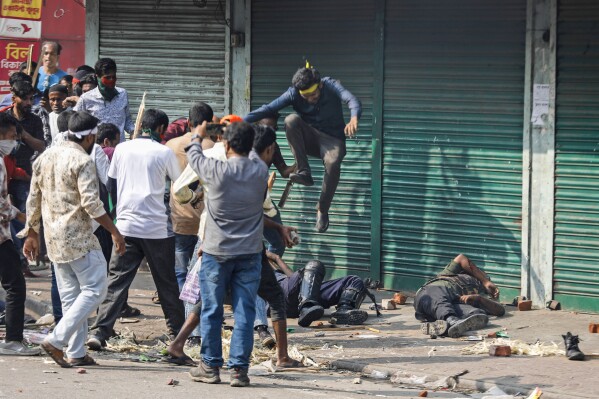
(53,122)
(140,168)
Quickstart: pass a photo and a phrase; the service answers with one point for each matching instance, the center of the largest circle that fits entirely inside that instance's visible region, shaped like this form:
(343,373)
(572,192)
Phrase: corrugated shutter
(452,153)
(576,261)
(174,51)
(337,38)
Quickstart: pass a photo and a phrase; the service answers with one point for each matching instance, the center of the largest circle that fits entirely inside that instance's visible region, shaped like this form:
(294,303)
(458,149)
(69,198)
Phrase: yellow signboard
(24,9)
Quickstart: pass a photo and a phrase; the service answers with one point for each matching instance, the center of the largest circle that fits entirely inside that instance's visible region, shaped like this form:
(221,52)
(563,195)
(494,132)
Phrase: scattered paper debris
(319,334)
(36,293)
(357,381)
(536,394)
(124,320)
(379,375)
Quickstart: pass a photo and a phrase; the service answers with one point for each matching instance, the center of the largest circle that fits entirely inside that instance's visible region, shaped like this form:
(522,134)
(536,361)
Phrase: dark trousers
(13,283)
(330,291)
(437,302)
(306,141)
(269,290)
(160,254)
(105,240)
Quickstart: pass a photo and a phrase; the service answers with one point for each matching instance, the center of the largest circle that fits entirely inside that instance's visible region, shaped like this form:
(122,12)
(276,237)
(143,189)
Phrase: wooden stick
(37,68)
(140,113)
(29,59)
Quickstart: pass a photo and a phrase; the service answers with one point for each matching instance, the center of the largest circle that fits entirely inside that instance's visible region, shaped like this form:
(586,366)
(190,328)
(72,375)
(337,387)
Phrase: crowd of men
(74,187)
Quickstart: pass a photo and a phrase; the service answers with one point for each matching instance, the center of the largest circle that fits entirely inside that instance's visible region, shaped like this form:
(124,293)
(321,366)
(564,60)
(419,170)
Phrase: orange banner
(23,9)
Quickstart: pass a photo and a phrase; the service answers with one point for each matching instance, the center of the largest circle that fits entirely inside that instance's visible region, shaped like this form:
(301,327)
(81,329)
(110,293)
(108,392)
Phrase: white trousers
(82,285)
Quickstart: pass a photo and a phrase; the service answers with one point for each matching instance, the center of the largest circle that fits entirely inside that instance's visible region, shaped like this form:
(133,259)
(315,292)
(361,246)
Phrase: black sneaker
(239,377)
(350,316)
(457,327)
(308,314)
(205,373)
(571,344)
(266,339)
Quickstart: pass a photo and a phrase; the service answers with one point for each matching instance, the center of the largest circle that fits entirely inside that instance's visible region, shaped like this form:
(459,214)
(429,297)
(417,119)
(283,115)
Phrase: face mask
(14,150)
(6,146)
(109,83)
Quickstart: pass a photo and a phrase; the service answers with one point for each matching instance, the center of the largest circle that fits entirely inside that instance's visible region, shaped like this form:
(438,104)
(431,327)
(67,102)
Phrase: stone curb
(38,307)
(467,383)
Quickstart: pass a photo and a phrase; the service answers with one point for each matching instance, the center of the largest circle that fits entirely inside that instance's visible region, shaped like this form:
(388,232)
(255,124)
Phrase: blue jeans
(276,245)
(261,312)
(242,275)
(184,246)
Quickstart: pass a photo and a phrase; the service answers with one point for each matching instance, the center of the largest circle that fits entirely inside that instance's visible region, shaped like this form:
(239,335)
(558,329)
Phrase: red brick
(524,305)
(593,328)
(500,350)
(423,394)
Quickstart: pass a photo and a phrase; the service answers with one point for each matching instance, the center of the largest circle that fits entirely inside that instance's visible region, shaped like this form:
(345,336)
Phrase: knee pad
(315,266)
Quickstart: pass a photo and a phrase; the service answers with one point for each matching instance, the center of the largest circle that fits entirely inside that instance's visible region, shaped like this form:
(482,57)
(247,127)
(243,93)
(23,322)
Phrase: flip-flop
(56,354)
(86,360)
(294,365)
(181,360)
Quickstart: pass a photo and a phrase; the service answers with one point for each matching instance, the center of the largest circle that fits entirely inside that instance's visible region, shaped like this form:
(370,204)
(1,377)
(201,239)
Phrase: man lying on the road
(307,295)
(455,301)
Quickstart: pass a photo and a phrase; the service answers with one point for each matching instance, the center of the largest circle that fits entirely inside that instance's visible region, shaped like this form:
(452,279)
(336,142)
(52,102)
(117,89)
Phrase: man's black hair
(198,113)
(58,88)
(22,89)
(67,78)
(305,78)
(107,131)
(264,137)
(54,44)
(79,122)
(62,122)
(104,66)
(153,119)
(6,121)
(240,136)
(85,68)
(23,66)
(272,115)
(17,77)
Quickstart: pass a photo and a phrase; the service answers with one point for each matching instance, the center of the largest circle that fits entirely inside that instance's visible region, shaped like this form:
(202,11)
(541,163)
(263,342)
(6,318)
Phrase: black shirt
(32,124)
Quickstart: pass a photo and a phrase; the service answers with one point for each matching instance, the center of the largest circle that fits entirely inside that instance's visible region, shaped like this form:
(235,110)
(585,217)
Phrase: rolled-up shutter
(337,38)
(452,153)
(171,49)
(576,260)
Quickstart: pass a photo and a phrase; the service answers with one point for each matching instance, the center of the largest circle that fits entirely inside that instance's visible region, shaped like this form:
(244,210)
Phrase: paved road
(29,378)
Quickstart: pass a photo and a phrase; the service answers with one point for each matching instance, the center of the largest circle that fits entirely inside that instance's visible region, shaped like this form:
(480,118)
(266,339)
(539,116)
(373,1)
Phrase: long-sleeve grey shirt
(236,191)
(326,115)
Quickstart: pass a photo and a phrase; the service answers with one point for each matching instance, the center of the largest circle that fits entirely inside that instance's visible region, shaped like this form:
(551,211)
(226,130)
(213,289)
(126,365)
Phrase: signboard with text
(21,19)
(12,54)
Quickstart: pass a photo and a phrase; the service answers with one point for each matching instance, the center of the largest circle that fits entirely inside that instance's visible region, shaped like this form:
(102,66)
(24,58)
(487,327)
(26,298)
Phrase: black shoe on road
(308,314)
(571,344)
(350,316)
(457,327)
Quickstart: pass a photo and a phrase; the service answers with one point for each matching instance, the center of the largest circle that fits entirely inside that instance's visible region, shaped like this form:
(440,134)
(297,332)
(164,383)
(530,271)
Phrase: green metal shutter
(174,51)
(576,260)
(452,152)
(336,37)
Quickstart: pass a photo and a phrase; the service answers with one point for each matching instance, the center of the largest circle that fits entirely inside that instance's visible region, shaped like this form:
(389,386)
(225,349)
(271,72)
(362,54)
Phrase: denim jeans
(242,275)
(184,246)
(276,245)
(55,295)
(82,284)
(261,310)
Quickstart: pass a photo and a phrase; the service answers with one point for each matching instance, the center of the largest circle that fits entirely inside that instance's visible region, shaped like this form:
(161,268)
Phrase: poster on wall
(12,54)
(21,19)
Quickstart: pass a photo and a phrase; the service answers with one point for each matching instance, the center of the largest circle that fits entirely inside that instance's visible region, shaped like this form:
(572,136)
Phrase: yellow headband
(310,89)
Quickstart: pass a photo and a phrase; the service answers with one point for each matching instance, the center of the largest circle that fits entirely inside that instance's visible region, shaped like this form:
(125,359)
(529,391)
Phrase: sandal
(56,354)
(181,360)
(293,365)
(156,298)
(86,360)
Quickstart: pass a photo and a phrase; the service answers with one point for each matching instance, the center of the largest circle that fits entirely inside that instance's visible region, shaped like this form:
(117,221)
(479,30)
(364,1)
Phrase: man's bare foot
(175,350)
